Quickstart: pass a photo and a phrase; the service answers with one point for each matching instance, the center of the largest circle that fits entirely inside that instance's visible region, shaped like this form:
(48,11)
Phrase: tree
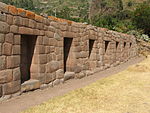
(142,17)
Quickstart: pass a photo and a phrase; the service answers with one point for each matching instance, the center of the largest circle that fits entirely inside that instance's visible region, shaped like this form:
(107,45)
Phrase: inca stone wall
(39,52)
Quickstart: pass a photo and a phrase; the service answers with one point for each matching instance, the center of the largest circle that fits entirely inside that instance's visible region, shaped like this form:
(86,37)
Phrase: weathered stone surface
(5,97)
(4,27)
(17,39)
(24,30)
(14,29)
(17,20)
(6,49)
(30,85)
(52,66)
(9,38)
(3,7)
(13,61)
(57,36)
(43,86)
(32,23)
(12,87)
(43,59)
(16,74)
(59,74)
(50,77)
(40,49)
(10,19)
(5,76)
(88,73)
(2,38)
(49,34)
(16,50)
(77,69)
(2,62)
(80,75)
(56,82)
(69,75)
(3,17)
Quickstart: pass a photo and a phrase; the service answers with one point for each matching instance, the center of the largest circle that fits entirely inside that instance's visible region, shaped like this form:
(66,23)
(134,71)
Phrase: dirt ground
(80,101)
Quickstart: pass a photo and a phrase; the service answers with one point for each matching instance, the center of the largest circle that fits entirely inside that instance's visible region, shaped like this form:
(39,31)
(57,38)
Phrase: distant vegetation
(127,16)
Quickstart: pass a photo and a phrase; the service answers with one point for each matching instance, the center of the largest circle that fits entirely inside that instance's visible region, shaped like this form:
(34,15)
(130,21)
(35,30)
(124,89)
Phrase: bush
(142,17)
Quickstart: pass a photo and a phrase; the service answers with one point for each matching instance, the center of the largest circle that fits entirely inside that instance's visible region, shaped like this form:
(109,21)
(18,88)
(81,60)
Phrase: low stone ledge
(30,85)
(69,75)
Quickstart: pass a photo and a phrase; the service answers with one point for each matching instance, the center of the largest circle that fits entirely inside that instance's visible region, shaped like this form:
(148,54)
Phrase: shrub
(142,17)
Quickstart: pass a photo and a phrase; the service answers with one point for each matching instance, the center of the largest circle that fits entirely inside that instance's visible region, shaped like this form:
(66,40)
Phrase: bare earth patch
(125,92)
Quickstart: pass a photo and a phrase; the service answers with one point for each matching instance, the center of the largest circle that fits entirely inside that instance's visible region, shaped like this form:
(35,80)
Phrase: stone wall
(38,52)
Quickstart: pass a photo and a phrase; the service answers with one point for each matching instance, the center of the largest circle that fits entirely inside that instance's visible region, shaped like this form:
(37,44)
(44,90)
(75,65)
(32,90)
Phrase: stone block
(80,75)
(30,85)
(47,49)
(13,61)
(34,68)
(3,17)
(2,38)
(5,76)
(3,7)
(9,38)
(54,24)
(17,20)
(49,34)
(35,59)
(10,19)
(4,27)
(36,32)
(52,42)
(52,66)
(88,73)
(39,26)
(50,77)
(52,49)
(43,59)
(40,49)
(16,50)
(12,87)
(77,69)
(45,40)
(24,30)
(2,62)
(16,74)
(69,75)
(51,28)
(25,22)
(43,86)
(17,39)
(14,29)
(42,32)
(6,49)
(56,82)
(32,23)
(59,74)
(57,36)
(69,34)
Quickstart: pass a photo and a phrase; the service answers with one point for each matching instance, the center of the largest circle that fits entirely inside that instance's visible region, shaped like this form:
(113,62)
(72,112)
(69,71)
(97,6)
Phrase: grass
(125,92)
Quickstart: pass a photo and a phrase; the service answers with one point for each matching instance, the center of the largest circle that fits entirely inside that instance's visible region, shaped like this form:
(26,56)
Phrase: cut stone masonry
(38,52)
